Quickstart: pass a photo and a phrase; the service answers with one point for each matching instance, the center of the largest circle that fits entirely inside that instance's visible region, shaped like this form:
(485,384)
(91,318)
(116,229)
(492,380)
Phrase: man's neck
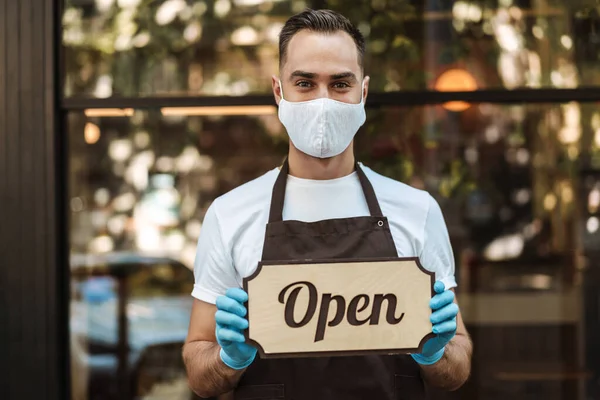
(307,167)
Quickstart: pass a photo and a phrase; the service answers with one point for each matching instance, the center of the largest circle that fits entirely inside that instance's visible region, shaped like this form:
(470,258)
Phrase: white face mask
(322,127)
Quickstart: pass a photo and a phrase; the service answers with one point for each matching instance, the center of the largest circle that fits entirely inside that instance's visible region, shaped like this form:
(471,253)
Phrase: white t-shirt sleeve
(437,254)
(214,271)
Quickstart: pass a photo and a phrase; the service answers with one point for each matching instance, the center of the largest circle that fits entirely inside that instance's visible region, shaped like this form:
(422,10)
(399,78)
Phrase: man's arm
(446,359)
(208,375)
(454,368)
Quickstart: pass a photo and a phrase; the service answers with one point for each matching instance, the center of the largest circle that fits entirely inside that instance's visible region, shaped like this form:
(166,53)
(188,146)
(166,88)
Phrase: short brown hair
(322,21)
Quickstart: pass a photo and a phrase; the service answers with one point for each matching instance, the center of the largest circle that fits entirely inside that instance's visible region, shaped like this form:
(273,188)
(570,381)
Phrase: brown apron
(342,377)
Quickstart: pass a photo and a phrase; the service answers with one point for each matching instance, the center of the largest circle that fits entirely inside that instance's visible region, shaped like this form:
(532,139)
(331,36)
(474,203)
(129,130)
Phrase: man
(321,204)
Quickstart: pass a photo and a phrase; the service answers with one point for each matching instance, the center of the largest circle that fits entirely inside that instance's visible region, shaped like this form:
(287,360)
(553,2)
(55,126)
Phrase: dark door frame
(34,330)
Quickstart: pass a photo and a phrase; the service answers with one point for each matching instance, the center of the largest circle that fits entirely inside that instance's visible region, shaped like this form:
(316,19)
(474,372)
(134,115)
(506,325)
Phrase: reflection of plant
(151,46)
(390,50)
(150,191)
(396,143)
(457,182)
(217,46)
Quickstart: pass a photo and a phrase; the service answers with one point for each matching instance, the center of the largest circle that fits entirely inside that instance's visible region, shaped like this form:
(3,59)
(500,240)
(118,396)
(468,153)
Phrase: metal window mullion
(405,98)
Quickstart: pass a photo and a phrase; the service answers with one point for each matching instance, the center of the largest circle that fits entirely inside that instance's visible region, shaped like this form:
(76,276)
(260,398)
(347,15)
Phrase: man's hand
(443,319)
(230,324)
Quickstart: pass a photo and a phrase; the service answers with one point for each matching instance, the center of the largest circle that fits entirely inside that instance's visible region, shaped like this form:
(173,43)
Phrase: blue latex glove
(230,324)
(443,319)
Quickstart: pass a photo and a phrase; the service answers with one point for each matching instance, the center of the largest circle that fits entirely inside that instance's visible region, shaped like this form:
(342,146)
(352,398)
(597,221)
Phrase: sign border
(335,353)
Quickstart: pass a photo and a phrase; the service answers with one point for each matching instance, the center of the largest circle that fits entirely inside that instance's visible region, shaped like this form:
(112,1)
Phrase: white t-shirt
(232,236)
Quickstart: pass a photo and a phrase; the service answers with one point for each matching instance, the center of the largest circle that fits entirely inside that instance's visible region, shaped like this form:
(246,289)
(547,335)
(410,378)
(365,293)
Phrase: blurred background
(487,104)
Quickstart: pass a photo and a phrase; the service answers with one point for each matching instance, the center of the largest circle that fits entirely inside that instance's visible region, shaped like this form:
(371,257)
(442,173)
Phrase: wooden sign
(339,307)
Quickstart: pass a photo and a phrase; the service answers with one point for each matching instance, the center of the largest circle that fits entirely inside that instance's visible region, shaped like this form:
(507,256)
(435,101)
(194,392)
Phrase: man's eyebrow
(312,75)
(303,74)
(344,75)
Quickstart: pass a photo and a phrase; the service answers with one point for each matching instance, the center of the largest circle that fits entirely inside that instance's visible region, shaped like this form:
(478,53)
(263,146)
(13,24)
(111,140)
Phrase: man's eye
(303,84)
(341,85)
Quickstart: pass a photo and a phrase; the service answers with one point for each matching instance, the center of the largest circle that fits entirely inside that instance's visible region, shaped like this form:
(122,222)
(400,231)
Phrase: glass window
(506,177)
(143,182)
(229,47)
(124,309)
(139,187)
(466,45)
(174,47)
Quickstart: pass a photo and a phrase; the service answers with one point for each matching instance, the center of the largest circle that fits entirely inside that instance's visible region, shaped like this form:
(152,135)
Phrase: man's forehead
(324,53)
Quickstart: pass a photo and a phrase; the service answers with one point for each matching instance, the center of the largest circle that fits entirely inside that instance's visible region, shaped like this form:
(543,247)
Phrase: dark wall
(33,356)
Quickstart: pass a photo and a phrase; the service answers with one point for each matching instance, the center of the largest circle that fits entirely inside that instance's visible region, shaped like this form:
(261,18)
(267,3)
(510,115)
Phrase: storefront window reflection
(505,176)
(140,183)
(229,47)
(144,182)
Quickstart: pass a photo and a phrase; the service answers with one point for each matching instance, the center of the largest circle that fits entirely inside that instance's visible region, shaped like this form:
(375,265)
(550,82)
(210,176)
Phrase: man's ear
(276,88)
(366,88)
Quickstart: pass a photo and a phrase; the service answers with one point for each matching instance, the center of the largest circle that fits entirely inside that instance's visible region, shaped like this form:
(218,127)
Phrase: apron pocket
(408,388)
(259,392)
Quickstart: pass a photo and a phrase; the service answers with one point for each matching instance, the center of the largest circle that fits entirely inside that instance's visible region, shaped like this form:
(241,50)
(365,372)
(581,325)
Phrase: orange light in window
(91,133)
(109,112)
(456,80)
(220,110)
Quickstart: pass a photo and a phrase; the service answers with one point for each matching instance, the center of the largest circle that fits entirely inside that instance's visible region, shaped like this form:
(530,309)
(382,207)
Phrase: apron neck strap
(278,196)
(369,192)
